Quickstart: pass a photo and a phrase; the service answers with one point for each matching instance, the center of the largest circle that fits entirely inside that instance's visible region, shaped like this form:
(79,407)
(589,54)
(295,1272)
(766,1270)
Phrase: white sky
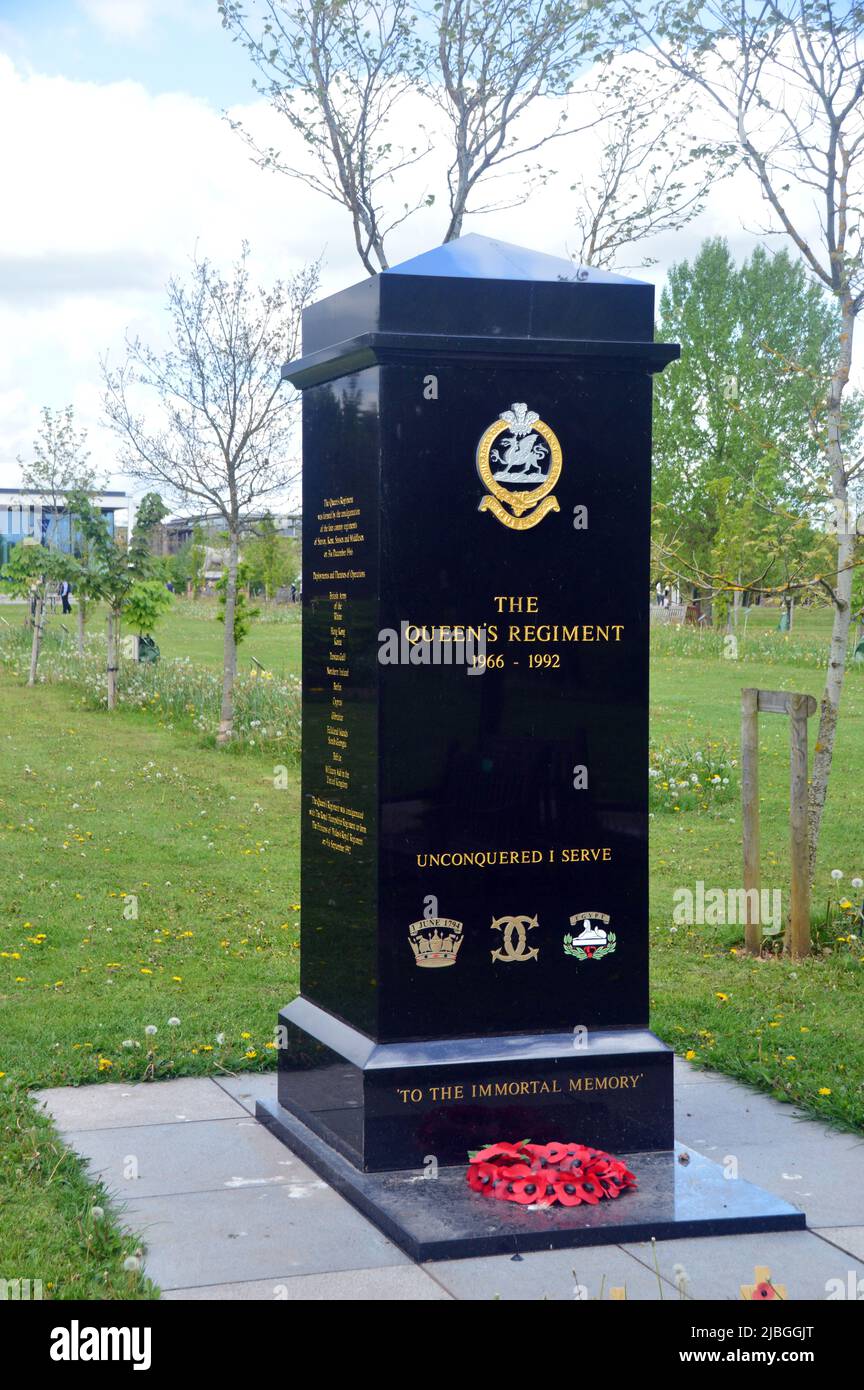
(115,163)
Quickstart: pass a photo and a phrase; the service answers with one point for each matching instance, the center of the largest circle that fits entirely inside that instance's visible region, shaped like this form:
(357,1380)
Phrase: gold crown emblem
(435,941)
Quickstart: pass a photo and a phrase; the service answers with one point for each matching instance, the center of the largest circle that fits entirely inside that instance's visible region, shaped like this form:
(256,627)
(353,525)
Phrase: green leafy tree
(244,615)
(737,457)
(197,559)
(112,572)
(271,559)
(27,574)
(145,604)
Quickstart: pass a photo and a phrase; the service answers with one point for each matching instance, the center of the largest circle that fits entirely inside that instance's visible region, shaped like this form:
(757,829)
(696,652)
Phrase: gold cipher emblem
(519,462)
(514,944)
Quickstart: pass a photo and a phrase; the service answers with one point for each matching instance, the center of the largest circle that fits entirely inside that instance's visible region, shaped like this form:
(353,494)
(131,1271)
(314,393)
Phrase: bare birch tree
(336,72)
(786,79)
(58,466)
(653,174)
(493,60)
(219,436)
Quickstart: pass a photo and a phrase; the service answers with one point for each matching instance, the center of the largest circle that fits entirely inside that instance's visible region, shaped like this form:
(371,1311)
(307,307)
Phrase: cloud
(31,280)
(114,188)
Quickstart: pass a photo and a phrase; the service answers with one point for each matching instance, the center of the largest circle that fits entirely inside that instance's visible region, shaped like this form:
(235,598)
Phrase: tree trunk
(111,667)
(82,619)
(36,644)
(229,660)
(830,705)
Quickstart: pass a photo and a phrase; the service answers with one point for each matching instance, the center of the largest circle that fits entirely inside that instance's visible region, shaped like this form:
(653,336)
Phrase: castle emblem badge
(593,942)
(514,941)
(519,461)
(435,941)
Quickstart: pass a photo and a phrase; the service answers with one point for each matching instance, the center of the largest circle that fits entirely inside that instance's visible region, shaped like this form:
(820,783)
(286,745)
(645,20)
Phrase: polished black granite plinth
(393,1105)
(476,587)
(680,1194)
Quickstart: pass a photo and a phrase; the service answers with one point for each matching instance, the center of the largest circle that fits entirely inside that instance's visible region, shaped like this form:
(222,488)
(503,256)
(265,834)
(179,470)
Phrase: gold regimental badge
(435,941)
(519,462)
(514,940)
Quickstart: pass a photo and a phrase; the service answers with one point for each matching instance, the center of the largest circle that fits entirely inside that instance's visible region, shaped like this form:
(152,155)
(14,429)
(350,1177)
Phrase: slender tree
(492,62)
(58,465)
(337,72)
(785,78)
(652,175)
(28,572)
(222,428)
(113,571)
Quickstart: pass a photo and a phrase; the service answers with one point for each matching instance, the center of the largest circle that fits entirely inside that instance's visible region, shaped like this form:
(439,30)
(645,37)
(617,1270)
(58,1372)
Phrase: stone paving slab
(799,1260)
(398,1284)
(848,1238)
(229,1213)
(556,1275)
(249,1089)
(254,1233)
(202,1156)
(115,1106)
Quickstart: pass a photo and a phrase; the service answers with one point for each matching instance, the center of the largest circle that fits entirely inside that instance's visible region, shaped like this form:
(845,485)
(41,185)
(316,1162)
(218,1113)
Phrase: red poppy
(530,1191)
(481,1176)
(567,1191)
(494,1152)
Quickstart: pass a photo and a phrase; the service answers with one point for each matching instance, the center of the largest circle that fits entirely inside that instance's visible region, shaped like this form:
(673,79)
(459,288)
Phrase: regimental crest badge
(519,462)
(593,941)
(435,941)
(514,940)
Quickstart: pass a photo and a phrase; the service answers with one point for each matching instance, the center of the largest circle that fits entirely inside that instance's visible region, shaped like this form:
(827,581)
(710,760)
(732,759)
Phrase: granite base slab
(680,1194)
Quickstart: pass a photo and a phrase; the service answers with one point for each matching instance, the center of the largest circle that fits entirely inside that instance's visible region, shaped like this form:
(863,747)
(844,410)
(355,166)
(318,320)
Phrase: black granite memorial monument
(474,944)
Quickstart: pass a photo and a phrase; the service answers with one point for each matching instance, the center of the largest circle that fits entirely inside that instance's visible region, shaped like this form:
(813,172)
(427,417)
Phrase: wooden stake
(799,920)
(750,805)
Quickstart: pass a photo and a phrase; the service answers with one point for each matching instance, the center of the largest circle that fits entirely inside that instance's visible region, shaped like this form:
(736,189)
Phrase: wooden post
(799,920)
(750,806)
(799,709)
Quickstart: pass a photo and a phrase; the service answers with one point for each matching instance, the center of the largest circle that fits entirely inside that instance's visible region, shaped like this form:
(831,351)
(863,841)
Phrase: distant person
(667,597)
(293,593)
(65,591)
(658,594)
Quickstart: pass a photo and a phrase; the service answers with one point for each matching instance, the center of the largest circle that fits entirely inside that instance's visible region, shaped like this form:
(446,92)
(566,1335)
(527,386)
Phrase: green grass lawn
(99,820)
(150,879)
(190,629)
(772,1022)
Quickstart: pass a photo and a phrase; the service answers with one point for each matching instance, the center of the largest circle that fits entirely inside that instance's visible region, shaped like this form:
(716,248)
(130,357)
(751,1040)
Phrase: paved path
(227,1212)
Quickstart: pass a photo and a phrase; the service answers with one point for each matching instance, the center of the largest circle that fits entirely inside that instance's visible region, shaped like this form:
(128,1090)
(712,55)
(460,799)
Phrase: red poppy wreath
(540,1175)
